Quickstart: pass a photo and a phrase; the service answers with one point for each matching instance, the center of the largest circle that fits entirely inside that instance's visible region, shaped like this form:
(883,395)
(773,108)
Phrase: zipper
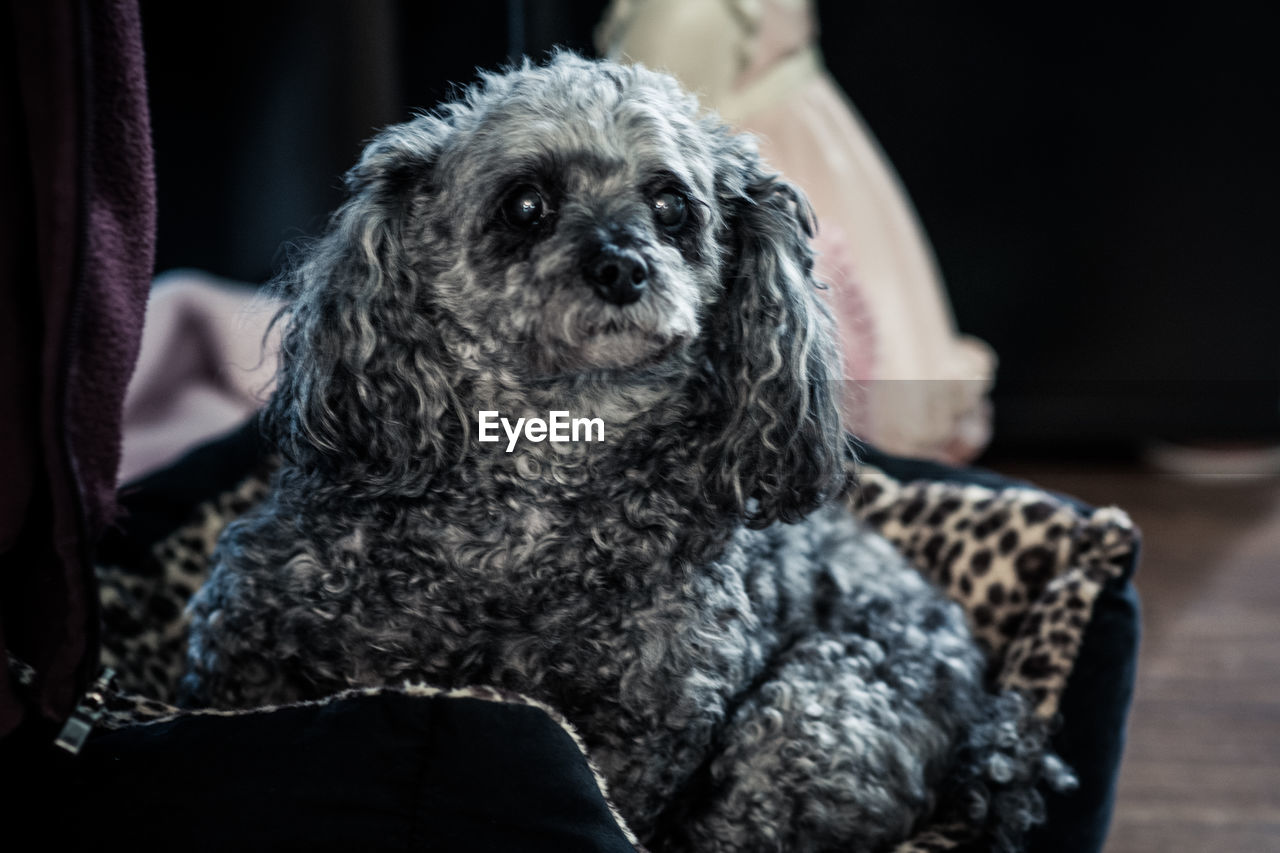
(80,724)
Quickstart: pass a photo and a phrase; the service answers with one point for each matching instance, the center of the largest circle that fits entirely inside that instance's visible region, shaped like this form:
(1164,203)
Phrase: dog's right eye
(670,210)
(524,208)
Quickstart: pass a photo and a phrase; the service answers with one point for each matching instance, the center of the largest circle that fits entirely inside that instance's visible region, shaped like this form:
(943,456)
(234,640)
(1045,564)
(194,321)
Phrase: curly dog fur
(750,670)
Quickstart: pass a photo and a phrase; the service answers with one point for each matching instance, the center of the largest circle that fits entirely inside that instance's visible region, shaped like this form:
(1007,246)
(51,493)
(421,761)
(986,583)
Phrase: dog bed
(1045,580)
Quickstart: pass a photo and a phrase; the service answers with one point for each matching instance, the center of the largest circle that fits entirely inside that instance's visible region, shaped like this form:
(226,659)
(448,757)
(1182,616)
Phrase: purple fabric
(78,216)
(120,246)
(207,362)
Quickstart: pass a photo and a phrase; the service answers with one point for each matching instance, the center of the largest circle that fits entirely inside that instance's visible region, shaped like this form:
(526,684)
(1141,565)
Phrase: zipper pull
(86,715)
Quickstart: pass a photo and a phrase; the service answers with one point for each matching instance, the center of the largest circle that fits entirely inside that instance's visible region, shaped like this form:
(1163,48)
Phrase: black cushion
(372,773)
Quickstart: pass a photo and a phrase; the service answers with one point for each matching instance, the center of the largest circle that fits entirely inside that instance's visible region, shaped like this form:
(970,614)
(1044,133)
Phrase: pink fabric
(915,386)
(779,32)
(207,363)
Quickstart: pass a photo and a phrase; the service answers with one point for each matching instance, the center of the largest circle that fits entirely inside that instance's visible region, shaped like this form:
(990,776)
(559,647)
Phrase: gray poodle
(749,669)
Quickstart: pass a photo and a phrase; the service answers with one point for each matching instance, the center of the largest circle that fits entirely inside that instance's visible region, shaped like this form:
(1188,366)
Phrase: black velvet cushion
(371,773)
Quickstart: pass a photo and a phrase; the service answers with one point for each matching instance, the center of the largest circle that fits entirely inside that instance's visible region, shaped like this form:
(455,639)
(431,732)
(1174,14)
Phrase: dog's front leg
(821,756)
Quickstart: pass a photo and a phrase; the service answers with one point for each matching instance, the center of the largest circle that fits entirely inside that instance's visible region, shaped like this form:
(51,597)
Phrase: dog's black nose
(618,275)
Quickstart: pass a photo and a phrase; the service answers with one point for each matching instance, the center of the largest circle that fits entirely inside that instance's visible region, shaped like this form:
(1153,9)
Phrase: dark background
(1100,184)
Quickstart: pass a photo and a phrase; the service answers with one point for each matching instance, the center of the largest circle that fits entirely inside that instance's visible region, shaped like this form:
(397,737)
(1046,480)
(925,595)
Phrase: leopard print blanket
(1026,566)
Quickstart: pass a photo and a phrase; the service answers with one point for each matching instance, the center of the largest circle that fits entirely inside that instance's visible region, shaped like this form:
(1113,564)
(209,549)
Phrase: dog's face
(575,220)
(570,218)
(582,223)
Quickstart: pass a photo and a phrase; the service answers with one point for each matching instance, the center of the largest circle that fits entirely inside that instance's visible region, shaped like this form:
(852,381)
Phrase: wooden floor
(1202,767)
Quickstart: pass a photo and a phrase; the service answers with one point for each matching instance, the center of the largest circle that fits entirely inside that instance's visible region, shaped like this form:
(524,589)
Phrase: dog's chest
(520,596)
(583,609)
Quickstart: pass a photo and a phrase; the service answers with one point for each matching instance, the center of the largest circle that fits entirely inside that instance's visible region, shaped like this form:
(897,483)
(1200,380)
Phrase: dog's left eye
(670,210)
(524,208)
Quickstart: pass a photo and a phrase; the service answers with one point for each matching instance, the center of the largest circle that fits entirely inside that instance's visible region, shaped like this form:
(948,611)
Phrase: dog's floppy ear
(361,391)
(778,444)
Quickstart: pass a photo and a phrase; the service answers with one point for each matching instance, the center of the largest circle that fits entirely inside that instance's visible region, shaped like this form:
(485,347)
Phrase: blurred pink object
(205,365)
(916,387)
